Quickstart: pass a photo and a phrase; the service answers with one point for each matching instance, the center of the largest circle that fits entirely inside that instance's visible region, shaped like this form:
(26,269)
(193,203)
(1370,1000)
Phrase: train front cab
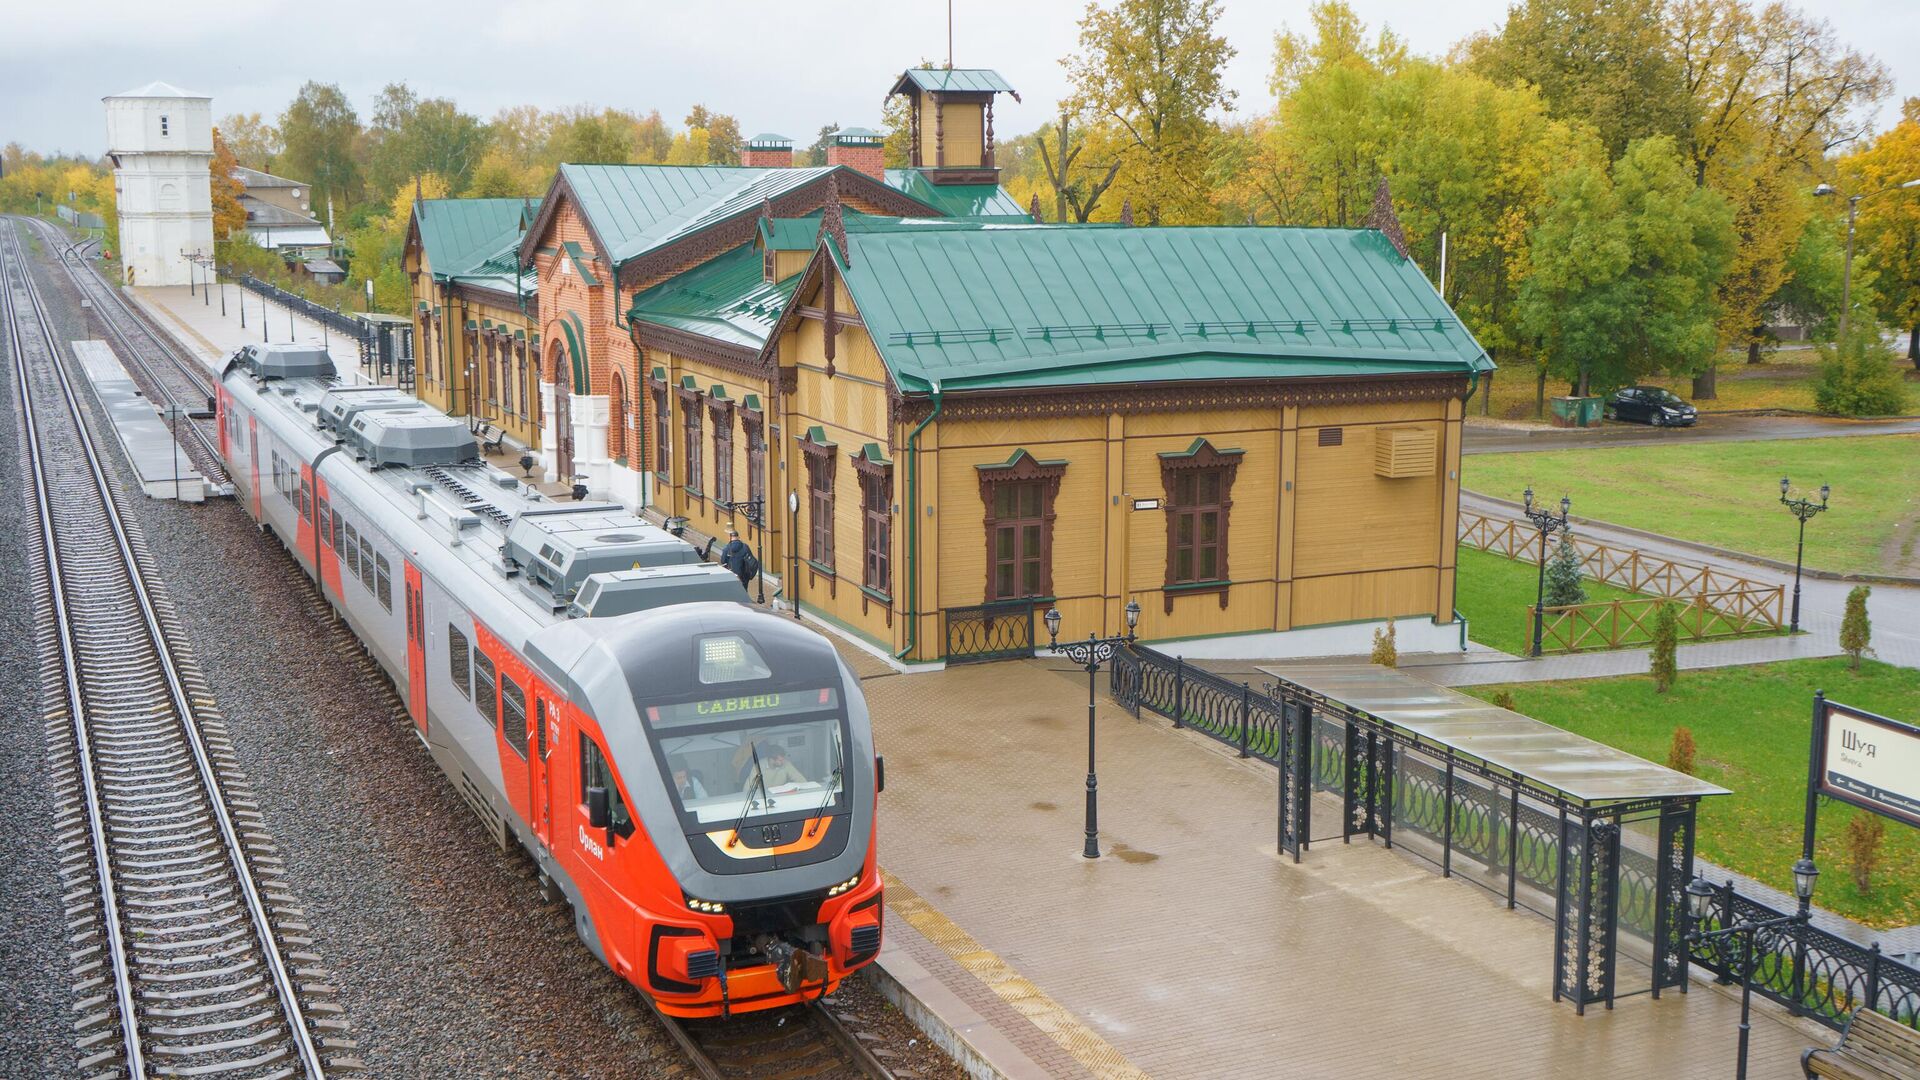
(716,889)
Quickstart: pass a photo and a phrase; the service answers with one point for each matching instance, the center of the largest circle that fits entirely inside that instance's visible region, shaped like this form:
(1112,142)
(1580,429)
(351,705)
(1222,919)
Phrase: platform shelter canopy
(1579,768)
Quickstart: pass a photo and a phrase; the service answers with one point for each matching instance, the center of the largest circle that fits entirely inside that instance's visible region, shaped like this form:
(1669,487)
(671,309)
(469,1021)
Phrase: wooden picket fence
(1714,603)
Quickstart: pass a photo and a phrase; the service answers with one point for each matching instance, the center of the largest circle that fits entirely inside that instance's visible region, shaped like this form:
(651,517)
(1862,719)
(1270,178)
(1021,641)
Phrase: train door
(253,463)
(546,735)
(416,649)
(563,426)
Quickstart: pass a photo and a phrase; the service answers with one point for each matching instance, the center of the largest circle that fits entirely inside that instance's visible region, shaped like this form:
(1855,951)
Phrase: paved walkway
(1484,438)
(1191,949)
(1482,669)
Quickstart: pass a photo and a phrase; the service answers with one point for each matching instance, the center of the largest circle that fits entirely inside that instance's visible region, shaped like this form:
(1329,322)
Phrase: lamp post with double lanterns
(1743,935)
(1548,523)
(755,511)
(1804,509)
(1090,654)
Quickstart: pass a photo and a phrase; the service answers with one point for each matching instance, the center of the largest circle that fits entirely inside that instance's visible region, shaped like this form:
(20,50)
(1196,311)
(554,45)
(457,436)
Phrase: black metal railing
(1818,972)
(999,631)
(1623,866)
(339,322)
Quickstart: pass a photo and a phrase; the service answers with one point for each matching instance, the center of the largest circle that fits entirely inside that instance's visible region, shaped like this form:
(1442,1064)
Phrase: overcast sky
(785,67)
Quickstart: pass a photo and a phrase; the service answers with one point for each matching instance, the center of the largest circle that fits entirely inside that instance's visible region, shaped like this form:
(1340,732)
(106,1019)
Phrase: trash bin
(1576,411)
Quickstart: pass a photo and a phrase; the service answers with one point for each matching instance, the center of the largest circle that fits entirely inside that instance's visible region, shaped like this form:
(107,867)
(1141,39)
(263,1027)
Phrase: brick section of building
(767,157)
(869,159)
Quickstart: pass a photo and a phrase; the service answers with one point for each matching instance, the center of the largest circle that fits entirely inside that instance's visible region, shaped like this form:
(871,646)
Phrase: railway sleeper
(193,1030)
(224,1046)
(202,992)
(154,1012)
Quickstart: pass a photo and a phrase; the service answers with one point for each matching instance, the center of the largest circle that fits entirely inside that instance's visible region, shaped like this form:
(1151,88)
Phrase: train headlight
(843,886)
(727,658)
(711,907)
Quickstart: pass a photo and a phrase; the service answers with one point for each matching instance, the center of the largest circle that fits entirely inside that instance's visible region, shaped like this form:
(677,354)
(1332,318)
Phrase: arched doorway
(617,416)
(562,414)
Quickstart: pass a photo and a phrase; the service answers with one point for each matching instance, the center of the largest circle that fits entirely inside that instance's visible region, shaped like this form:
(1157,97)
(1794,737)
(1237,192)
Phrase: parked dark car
(1651,405)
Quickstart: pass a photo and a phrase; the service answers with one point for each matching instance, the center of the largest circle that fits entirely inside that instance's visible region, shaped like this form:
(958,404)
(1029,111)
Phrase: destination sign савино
(1871,762)
(744,707)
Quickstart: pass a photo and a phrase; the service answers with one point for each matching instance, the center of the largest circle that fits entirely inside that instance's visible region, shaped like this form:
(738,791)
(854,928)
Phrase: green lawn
(1751,727)
(1727,494)
(1494,593)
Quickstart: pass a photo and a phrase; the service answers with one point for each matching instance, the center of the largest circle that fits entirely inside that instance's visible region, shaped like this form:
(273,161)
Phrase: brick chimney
(768,152)
(861,149)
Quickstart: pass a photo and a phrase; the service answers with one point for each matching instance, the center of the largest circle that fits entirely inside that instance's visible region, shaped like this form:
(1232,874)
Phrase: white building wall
(161,140)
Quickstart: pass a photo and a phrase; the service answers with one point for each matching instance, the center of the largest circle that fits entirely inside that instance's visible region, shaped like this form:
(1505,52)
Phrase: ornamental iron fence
(1814,971)
(1000,631)
(1612,877)
(1611,624)
(339,322)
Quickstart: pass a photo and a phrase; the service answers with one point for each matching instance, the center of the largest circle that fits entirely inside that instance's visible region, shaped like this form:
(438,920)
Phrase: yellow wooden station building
(933,418)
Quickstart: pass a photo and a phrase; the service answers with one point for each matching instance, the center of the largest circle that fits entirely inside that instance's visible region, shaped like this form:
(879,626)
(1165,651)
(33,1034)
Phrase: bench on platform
(1873,1046)
(490,437)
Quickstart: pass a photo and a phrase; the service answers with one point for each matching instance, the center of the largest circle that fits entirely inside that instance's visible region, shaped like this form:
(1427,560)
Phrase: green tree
(320,130)
(1153,69)
(1856,630)
(1858,376)
(1080,165)
(1680,750)
(1386,650)
(1608,64)
(723,135)
(1664,663)
(582,135)
(1563,575)
(1624,268)
(1810,297)
(816,155)
(410,136)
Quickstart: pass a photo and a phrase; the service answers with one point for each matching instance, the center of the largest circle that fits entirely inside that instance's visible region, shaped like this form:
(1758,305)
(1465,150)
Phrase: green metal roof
(636,208)
(459,234)
(986,201)
(582,265)
(979,306)
(958,80)
(770,139)
(725,298)
(792,234)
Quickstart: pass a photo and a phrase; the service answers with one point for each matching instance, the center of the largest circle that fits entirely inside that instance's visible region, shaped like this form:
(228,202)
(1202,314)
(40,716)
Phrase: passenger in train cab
(689,783)
(775,770)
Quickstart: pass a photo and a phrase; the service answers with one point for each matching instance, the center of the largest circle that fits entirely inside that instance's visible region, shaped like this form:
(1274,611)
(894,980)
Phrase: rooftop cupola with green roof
(952,122)
(861,149)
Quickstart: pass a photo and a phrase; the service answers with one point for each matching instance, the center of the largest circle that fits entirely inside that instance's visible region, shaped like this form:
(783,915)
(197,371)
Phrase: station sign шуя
(1870,761)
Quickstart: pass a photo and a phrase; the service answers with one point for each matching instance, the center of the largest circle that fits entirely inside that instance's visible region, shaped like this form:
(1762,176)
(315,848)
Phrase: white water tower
(160,138)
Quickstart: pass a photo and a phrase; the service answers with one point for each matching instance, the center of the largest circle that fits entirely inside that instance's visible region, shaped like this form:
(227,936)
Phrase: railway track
(780,1044)
(167,377)
(186,947)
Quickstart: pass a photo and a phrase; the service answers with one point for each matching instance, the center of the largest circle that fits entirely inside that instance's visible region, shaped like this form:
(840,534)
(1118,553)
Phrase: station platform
(1191,948)
(146,439)
(196,322)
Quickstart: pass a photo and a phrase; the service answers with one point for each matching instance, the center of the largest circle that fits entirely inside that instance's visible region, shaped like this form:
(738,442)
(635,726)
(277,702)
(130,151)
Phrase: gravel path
(446,961)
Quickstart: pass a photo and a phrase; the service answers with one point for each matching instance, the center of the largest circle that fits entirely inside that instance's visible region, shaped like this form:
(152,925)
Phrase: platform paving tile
(1192,949)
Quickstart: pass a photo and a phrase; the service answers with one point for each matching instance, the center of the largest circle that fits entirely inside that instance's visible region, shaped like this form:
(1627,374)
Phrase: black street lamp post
(1744,934)
(1090,654)
(755,511)
(1548,523)
(1804,509)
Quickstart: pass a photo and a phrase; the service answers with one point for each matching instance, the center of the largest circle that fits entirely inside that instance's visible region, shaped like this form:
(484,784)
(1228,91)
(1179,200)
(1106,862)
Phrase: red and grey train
(695,775)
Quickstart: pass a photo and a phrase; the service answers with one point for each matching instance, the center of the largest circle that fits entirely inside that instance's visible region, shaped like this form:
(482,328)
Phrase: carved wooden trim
(1203,457)
(819,458)
(1168,397)
(1021,468)
(722,354)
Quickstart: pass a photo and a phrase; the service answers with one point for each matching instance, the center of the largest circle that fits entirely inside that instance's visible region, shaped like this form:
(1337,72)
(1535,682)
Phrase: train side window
(484,694)
(366,562)
(383,583)
(459,661)
(338,526)
(350,551)
(328,524)
(513,715)
(595,773)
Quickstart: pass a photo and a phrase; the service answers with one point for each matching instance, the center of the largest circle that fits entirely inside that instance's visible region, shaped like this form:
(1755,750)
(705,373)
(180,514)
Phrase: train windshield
(735,759)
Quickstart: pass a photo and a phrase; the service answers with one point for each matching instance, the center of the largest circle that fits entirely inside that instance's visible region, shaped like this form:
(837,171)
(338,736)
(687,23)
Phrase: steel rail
(304,1045)
(116,313)
(833,1034)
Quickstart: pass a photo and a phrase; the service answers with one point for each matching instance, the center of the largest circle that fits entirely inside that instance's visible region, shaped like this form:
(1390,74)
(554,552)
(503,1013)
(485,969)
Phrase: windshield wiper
(759,784)
(833,787)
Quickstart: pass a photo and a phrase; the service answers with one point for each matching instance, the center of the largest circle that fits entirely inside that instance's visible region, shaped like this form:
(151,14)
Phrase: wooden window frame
(619,404)
(662,430)
(876,530)
(1198,459)
(1021,468)
(720,411)
(819,457)
(754,425)
(691,473)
